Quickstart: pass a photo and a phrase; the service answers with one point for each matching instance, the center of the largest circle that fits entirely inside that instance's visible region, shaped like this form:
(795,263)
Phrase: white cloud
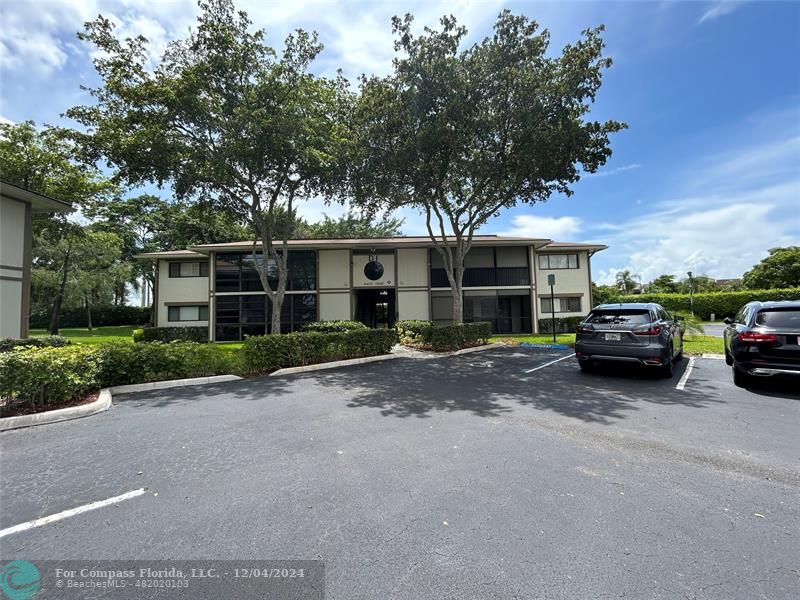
(556,228)
(719,9)
(612,171)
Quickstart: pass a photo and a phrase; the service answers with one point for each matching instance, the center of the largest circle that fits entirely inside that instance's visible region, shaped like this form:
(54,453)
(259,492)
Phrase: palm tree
(626,281)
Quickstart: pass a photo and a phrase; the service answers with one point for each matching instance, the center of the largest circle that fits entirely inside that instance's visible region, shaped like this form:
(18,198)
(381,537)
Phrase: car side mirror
(679,318)
(728,321)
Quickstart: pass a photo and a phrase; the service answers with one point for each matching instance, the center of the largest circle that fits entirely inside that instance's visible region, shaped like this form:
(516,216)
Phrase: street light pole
(691,292)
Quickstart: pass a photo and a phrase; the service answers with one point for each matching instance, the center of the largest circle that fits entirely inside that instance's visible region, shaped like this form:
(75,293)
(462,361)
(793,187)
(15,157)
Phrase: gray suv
(635,333)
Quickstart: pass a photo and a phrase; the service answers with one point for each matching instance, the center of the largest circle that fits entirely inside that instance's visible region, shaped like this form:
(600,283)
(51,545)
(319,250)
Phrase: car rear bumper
(652,355)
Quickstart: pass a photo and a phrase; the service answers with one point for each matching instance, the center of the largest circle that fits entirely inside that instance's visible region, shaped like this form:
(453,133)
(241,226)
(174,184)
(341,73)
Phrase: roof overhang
(38,202)
(370,244)
(169,254)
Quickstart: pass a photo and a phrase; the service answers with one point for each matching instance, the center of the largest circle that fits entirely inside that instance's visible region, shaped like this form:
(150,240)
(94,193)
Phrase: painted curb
(332,365)
(715,356)
(545,346)
(102,403)
(163,385)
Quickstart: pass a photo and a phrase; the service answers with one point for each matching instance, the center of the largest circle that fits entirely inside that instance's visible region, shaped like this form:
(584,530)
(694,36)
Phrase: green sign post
(551,281)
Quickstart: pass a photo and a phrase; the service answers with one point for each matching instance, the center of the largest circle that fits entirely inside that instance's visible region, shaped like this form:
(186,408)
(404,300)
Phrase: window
(781,318)
(188,269)
(240,316)
(198,312)
(627,316)
(566,304)
(238,272)
(558,261)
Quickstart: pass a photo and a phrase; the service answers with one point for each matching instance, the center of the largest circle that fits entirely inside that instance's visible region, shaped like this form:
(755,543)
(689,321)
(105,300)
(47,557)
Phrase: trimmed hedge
(172,334)
(721,304)
(424,334)
(101,316)
(266,353)
(563,324)
(49,341)
(45,376)
(334,326)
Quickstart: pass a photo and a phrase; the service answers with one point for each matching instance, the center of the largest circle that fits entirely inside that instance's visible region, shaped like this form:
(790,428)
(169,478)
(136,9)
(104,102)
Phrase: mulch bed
(24,409)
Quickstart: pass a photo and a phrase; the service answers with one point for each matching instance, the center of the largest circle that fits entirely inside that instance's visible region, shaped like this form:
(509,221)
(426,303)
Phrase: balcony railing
(485,277)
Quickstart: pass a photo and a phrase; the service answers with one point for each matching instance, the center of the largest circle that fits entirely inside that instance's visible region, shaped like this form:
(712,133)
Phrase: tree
(221,118)
(603,294)
(352,225)
(698,284)
(463,134)
(626,281)
(663,284)
(47,161)
(781,269)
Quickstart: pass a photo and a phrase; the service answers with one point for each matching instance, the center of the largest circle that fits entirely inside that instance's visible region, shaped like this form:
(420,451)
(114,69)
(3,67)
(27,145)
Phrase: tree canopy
(221,118)
(781,269)
(461,134)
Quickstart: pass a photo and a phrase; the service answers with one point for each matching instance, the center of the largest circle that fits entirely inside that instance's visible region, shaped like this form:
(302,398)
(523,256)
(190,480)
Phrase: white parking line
(549,363)
(70,513)
(686,373)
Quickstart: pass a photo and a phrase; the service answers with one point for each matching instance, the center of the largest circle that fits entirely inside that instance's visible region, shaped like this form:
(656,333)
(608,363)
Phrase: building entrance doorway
(376,308)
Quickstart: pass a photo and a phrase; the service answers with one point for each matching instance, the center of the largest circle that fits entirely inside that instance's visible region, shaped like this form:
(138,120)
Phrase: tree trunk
(89,314)
(55,315)
(458,295)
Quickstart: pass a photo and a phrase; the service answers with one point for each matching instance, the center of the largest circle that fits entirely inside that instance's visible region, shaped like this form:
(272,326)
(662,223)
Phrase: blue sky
(706,179)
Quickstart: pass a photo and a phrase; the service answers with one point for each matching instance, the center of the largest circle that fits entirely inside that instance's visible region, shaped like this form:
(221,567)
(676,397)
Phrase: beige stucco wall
(335,306)
(179,290)
(360,261)
(12,249)
(412,267)
(334,269)
(569,282)
(413,305)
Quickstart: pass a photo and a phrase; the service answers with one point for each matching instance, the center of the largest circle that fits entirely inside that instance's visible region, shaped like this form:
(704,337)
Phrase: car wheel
(667,368)
(679,356)
(728,358)
(740,378)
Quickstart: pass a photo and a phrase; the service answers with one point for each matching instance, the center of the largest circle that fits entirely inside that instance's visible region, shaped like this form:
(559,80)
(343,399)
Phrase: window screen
(188,313)
(558,261)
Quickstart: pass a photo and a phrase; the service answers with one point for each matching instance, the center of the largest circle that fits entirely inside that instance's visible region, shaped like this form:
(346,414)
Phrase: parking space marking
(686,373)
(547,364)
(70,513)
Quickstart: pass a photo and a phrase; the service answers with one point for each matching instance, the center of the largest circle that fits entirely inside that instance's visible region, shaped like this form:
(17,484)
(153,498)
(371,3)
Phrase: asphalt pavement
(499,474)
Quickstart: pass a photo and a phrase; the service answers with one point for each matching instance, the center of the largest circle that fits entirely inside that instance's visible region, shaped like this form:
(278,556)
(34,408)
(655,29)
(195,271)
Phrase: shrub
(172,334)
(122,363)
(563,324)
(266,353)
(44,376)
(414,333)
(423,334)
(721,304)
(101,316)
(334,326)
(49,341)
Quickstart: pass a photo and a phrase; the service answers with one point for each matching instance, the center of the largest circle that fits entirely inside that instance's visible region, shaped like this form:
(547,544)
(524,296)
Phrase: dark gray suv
(635,333)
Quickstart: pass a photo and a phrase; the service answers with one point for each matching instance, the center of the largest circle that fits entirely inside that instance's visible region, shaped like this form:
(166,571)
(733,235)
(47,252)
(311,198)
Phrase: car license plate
(793,340)
(612,337)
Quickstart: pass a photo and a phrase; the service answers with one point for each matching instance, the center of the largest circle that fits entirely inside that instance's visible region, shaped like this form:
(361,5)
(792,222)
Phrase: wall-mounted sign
(551,279)
(373,270)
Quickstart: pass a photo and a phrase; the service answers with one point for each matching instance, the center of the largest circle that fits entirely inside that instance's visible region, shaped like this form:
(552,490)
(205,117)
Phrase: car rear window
(780,318)
(630,315)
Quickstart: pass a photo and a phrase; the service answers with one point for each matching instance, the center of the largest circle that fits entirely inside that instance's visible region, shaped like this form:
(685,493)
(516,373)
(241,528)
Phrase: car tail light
(651,331)
(582,329)
(751,337)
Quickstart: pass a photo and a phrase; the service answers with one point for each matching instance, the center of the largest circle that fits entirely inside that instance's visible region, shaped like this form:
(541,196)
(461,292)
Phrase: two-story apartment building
(375,281)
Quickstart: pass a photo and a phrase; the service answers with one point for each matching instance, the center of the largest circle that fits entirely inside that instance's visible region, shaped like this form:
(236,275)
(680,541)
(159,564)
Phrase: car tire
(585,367)
(667,368)
(740,378)
(679,356)
(728,358)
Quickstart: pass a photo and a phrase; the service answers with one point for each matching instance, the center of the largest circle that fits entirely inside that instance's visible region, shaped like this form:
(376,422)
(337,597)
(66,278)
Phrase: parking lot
(506,473)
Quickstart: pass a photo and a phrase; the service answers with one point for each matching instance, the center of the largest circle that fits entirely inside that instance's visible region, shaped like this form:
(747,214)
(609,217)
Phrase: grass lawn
(703,344)
(692,344)
(98,335)
(561,338)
